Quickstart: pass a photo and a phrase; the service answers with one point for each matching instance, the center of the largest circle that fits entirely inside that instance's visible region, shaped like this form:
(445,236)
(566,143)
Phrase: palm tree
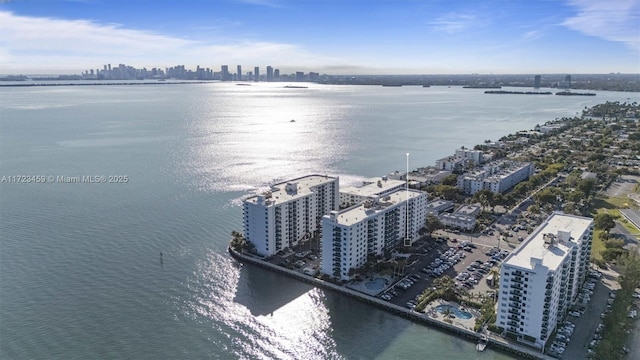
(496,275)
(446,312)
(238,241)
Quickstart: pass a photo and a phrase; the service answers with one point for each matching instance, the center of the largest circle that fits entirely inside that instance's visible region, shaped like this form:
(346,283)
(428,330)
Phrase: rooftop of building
(373,186)
(438,203)
(550,249)
(458,217)
(468,210)
(291,189)
(374,206)
(451,158)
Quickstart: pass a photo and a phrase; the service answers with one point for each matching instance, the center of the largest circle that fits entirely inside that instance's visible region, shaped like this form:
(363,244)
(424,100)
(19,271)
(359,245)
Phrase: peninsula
(438,245)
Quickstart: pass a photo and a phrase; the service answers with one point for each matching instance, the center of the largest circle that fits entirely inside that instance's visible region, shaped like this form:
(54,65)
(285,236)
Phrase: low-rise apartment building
(464,218)
(496,177)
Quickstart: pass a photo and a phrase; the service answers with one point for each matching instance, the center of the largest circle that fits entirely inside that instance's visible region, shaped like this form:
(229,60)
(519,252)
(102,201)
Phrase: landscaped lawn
(611,206)
(597,245)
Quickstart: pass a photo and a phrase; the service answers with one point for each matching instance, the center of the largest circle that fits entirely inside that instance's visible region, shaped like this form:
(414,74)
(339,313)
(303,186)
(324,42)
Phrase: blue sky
(328,36)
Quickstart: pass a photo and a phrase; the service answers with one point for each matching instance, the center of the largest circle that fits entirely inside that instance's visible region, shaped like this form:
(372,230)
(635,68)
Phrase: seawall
(522,353)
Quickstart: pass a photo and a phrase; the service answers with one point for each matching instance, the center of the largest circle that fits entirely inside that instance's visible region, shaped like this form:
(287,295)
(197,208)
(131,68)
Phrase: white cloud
(76,45)
(453,23)
(613,20)
(532,35)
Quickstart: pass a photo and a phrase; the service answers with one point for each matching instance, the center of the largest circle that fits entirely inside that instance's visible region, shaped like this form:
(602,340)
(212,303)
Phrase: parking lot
(451,257)
(584,319)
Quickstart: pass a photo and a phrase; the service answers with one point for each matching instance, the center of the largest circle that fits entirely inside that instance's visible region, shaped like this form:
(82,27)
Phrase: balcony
(515,305)
(514,324)
(516,286)
(517,280)
(513,317)
(516,299)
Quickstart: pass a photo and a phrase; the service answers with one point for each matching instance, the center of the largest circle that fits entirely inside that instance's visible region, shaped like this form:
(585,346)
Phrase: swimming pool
(455,311)
(375,284)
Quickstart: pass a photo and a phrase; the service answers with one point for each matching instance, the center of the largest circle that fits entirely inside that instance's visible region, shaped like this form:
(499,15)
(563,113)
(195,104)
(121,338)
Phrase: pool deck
(359,286)
(430,310)
(435,319)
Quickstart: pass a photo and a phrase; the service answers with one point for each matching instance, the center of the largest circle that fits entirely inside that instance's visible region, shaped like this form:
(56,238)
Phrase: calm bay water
(80,269)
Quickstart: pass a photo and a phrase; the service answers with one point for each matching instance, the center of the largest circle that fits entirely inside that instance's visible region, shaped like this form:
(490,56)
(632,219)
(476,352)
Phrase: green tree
(484,197)
(451,180)
(547,196)
(447,191)
(612,254)
(585,186)
(433,223)
(614,244)
(604,221)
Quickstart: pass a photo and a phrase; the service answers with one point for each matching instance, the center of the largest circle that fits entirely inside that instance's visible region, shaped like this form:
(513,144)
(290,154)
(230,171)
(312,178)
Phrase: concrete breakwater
(520,352)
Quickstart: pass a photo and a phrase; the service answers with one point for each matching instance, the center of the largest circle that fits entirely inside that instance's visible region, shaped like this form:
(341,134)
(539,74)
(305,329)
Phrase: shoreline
(411,315)
(106,84)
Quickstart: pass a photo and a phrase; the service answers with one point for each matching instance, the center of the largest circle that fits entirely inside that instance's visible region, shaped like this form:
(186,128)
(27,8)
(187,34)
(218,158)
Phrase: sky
(326,36)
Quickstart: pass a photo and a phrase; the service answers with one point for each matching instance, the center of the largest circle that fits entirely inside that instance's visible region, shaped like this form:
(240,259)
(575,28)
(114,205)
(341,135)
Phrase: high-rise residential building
(239,73)
(372,227)
(289,212)
(299,76)
(256,73)
(225,72)
(369,188)
(566,83)
(536,81)
(276,74)
(541,279)
(269,73)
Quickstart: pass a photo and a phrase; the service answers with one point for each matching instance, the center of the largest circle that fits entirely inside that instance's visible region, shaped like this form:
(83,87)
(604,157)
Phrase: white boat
(482,343)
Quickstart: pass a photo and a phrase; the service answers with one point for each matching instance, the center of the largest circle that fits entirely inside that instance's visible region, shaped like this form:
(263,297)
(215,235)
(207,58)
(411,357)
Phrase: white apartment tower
(291,211)
(353,195)
(377,225)
(540,280)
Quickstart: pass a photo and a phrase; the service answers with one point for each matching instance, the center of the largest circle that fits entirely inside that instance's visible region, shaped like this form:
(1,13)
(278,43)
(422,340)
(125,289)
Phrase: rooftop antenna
(407,241)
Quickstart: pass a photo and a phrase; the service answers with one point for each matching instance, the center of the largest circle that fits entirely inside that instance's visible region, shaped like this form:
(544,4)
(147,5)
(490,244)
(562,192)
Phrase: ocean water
(81,274)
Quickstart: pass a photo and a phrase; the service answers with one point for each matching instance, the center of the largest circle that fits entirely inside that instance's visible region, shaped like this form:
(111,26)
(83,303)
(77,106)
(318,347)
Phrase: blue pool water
(455,311)
(375,284)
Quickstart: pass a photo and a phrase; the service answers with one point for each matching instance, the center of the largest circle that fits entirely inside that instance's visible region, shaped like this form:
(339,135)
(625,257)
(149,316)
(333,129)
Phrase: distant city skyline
(334,37)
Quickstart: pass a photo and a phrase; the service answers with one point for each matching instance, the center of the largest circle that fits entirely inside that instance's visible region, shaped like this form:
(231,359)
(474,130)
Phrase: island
(570,93)
(518,92)
(482,87)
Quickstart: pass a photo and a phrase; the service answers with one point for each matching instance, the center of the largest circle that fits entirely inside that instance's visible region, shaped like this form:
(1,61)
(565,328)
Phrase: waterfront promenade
(435,320)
